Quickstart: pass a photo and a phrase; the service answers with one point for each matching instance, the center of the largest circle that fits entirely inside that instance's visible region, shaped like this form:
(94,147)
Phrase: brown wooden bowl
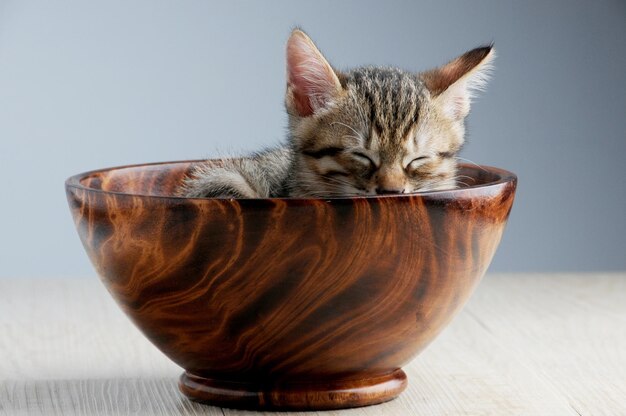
(288,303)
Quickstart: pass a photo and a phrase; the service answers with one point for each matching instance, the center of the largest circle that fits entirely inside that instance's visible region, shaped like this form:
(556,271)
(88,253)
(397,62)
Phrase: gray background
(85,85)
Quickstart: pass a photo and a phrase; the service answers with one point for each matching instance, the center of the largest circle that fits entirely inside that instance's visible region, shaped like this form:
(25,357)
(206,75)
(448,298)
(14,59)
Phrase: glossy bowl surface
(288,303)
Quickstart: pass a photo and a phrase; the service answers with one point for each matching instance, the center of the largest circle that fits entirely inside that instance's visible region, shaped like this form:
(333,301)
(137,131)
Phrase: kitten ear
(312,84)
(453,85)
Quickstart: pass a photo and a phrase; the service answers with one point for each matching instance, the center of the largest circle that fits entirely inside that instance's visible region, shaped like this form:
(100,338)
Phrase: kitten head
(376,130)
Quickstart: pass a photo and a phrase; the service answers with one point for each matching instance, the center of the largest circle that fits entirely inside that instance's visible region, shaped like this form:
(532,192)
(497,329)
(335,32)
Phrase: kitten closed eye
(413,164)
(364,159)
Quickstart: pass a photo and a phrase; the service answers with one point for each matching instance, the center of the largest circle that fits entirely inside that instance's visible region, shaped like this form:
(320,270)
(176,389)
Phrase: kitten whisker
(334,187)
(466,177)
(457,181)
(351,128)
(469,161)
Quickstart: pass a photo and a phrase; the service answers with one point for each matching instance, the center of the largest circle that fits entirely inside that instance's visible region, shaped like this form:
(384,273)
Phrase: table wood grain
(545,344)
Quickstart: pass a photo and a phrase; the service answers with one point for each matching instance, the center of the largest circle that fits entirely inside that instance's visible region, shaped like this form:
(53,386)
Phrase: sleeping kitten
(362,132)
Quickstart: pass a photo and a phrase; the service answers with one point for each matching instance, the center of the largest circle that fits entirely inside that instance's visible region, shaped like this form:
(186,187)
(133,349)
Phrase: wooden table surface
(524,345)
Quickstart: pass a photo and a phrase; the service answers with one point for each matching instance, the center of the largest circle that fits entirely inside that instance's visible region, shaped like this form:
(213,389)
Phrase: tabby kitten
(366,131)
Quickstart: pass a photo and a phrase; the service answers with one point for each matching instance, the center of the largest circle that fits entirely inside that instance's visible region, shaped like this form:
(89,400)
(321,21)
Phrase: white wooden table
(524,345)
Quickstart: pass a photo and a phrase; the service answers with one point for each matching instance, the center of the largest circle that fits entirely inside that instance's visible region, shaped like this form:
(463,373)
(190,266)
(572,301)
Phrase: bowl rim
(74,182)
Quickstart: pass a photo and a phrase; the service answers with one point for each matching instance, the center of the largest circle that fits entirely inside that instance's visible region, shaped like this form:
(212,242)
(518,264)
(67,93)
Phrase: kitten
(366,131)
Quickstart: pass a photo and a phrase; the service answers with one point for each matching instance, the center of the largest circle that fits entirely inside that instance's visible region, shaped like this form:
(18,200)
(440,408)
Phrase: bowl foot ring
(317,395)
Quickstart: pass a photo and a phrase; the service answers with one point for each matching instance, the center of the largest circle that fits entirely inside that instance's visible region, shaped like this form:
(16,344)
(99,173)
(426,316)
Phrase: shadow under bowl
(288,303)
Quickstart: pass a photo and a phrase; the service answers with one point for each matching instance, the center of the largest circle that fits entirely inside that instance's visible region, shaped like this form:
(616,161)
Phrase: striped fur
(367,131)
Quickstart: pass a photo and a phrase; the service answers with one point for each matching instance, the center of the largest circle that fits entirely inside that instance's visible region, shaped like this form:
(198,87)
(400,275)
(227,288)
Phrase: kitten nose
(390,180)
(381,191)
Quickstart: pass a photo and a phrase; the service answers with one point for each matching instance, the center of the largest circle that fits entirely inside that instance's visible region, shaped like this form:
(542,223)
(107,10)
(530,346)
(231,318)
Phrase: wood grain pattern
(277,293)
(524,345)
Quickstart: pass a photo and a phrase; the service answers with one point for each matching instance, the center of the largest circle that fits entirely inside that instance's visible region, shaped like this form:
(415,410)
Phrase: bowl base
(315,395)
